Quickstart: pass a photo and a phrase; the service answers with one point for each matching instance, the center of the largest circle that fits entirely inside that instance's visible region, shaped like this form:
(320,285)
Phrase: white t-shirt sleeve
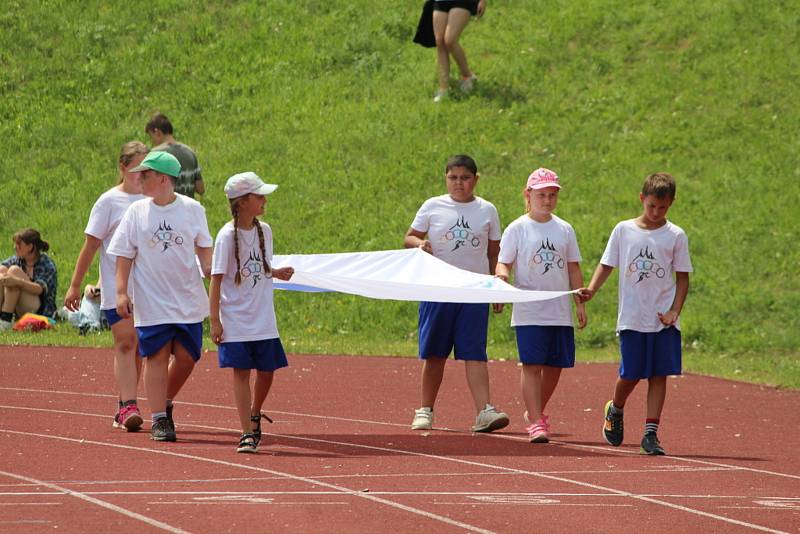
(573,252)
(203,238)
(611,255)
(681,263)
(99,219)
(421,222)
(509,245)
(222,253)
(495,231)
(123,242)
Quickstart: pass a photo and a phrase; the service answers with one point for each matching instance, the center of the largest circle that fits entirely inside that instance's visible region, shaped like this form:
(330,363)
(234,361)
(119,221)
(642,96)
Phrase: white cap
(245,183)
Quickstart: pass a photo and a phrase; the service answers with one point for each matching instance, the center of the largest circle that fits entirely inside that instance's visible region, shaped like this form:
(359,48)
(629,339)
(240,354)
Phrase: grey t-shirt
(190,167)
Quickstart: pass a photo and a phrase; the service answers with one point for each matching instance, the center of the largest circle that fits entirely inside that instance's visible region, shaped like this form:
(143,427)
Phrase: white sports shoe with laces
(490,419)
(423,419)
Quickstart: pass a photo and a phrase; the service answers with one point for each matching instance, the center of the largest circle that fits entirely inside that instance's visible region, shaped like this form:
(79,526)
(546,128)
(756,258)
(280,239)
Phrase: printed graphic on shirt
(460,234)
(644,265)
(253,268)
(547,258)
(165,237)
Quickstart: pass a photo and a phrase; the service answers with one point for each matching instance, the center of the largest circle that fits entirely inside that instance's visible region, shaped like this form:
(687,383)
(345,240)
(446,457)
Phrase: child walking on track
(648,250)
(463,230)
(159,240)
(242,310)
(543,251)
(103,220)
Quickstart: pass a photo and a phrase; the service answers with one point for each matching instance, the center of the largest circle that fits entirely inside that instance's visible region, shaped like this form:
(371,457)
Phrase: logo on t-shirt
(643,266)
(253,268)
(547,257)
(165,237)
(460,234)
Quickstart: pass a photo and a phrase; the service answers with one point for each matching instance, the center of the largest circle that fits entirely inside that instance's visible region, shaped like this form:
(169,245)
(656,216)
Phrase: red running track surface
(341,457)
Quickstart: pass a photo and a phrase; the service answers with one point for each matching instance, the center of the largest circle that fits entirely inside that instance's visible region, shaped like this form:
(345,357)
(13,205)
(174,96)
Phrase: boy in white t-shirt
(242,310)
(543,251)
(462,230)
(159,240)
(648,250)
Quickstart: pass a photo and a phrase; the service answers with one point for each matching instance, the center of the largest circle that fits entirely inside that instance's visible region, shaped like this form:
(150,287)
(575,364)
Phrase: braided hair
(234,204)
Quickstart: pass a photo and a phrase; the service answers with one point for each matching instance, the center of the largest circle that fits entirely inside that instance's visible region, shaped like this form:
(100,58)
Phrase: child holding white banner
(462,230)
(242,311)
(543,251)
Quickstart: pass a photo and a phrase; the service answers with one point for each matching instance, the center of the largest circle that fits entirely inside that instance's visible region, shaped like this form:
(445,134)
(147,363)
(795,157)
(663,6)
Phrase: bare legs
(447,28)
(248,405)
(13,299)
(127,365)
(477,374)
(538,384)
(656,393)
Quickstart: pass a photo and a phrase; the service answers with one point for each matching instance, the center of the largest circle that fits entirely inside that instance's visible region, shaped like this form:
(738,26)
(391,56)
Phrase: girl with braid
(242,311)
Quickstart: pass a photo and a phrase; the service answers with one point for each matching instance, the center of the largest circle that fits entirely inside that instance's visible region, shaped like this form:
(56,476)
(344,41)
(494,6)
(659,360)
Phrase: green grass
(333,102)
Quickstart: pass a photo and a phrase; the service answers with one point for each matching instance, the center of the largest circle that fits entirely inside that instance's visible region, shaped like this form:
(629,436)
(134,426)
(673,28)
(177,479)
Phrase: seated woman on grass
(27,279)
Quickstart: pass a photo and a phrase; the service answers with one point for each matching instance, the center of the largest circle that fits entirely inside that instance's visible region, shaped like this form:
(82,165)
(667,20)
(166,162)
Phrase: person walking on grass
(190,181)
(157,244)
(648,250)
(242,315)
(462,230)
(450,17)
(103,221)
(28,279)
(542,250)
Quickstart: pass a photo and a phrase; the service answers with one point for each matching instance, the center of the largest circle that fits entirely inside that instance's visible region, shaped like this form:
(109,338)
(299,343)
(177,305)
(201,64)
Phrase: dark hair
(237,279)
(159,121)
(29,236)
(462,160)
(660,184)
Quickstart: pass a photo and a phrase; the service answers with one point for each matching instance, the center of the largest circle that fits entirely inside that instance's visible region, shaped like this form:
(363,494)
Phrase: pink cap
(541,178)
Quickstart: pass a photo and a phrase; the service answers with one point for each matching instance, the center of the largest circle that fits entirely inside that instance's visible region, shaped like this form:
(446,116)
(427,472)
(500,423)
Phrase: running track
(341,458)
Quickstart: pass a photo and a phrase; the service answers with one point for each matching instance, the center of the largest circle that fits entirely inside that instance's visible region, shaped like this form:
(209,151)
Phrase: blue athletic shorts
(648,354)
(444,326)
(263,355)
(111,316)
(553,346)
(153,338)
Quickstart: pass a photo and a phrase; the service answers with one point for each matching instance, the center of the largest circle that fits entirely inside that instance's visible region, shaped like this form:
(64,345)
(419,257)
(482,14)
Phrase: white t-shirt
(247,311)
(646,261)
(161,241)
(459,231)
(540,253)
(103,220)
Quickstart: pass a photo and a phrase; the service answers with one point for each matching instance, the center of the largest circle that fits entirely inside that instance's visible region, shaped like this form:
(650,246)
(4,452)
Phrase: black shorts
(447,5)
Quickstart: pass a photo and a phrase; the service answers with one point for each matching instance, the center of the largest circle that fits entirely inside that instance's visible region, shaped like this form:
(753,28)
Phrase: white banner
(408,274)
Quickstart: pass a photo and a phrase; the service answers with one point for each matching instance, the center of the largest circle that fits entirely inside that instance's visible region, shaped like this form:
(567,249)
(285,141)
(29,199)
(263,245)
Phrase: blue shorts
(444,326)
(153,338)
(553,346)
(649,354)
(263,355)
(111,315)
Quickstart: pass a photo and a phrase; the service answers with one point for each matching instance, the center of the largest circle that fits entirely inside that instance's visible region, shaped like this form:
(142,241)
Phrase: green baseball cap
(158,161)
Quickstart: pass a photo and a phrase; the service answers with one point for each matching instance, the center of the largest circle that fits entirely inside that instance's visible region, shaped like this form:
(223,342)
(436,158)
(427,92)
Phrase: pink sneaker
(545,420)
(538,433)
(130,418)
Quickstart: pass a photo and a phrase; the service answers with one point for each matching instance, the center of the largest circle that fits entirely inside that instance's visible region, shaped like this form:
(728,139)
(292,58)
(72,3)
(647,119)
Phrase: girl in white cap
(242,318)
(543,251)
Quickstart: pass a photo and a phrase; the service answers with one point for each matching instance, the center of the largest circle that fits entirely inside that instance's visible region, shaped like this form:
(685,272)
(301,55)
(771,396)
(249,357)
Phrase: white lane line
(306,480)
(435,457)
(598,448)
(107,505)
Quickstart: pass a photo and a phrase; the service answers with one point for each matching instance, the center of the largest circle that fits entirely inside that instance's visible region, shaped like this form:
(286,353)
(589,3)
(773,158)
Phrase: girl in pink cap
(542,251)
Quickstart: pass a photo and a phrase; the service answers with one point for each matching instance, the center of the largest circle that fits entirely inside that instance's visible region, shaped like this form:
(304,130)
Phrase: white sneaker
(468,84)
(5,325)
(423,419)
(439,96)
(490,419)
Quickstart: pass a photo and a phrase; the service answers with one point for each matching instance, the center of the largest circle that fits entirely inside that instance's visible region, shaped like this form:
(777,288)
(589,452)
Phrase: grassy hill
(332,101)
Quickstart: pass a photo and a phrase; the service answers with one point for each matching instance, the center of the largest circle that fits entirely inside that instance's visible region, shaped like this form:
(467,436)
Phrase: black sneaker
(651,445)
(163,430)
(612,426)
(256,419)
